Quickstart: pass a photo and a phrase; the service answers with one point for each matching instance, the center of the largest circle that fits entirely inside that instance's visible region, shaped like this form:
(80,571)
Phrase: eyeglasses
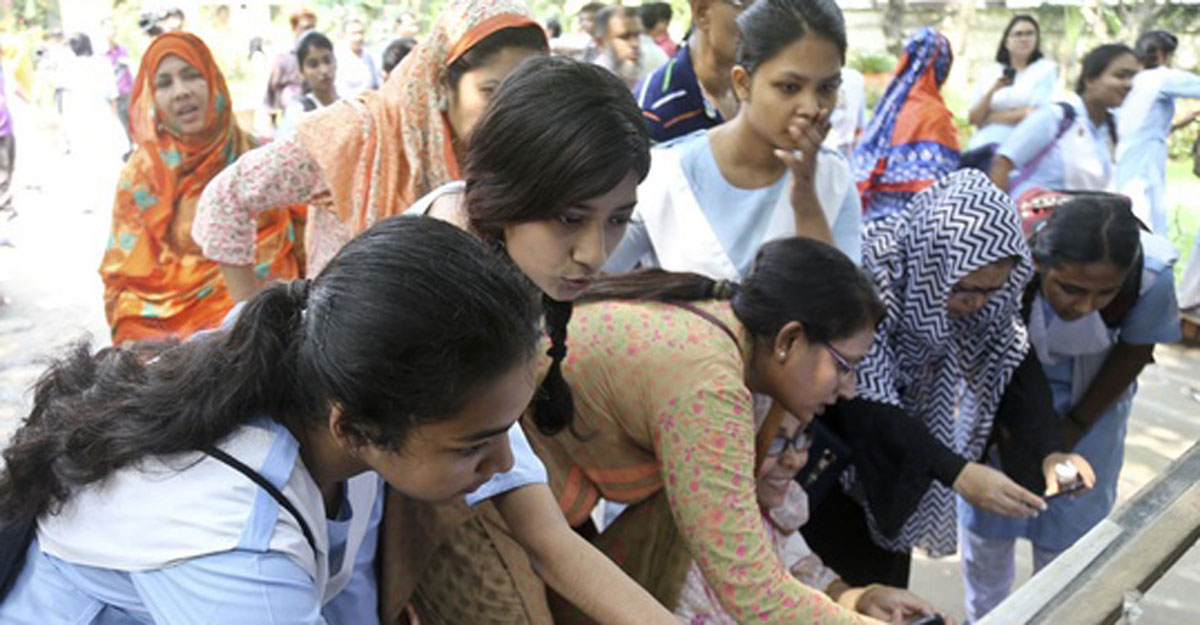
(845,367)
(800,442)
(740,5)
(967,292)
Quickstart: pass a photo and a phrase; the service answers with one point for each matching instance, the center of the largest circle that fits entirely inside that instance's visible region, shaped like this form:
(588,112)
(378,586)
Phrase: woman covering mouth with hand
(157,284)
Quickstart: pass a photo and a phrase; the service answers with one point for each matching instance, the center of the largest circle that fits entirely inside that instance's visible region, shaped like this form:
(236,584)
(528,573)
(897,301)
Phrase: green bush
(873,63)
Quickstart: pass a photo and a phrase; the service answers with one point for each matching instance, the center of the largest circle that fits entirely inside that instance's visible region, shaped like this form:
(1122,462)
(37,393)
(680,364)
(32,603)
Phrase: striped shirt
(672,102)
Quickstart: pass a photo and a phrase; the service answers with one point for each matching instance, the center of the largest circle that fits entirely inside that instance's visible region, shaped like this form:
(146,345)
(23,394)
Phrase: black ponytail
(793,279)
(407,323)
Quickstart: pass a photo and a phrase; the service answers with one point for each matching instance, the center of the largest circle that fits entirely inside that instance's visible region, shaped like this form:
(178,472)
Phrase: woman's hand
(993,491)
(894,605)
(1001,82)
(1086,474)
(806,135)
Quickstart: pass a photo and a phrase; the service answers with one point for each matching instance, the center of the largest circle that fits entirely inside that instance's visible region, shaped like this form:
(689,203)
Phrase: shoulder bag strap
(262,482)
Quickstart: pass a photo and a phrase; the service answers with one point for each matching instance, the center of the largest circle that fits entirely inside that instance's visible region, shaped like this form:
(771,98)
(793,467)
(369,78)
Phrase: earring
(782,355)
(442,104)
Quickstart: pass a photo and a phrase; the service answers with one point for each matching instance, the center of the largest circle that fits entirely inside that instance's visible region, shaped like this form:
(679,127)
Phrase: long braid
(553,406)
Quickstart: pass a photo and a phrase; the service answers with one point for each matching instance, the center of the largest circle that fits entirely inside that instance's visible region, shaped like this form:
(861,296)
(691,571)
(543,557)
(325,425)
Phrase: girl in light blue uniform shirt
(1047,150)
(1104,297)
(1145,121)
(321,389)
(1003,101)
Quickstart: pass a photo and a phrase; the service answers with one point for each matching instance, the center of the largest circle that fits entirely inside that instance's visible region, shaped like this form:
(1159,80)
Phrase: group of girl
(422,430)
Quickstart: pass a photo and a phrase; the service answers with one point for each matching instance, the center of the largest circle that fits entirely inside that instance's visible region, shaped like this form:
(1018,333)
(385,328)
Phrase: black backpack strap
(262,482)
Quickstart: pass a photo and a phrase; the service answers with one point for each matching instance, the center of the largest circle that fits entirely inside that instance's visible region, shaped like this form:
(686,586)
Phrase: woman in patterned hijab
(950,270)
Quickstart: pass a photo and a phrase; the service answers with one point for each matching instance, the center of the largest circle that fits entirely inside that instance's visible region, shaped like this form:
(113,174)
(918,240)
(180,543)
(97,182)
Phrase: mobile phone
(1010,73)
(1074,488)
(932,619)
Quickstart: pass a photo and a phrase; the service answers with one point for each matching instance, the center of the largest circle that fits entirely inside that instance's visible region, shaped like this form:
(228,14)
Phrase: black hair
(520,37)
(1095,63)
(396,51)
(554,27)
(1097,60)
(793,279)
(769,26)
(296,351)
(308,41)
(173,12)
(654,12)
(1150,46)
(1002,55)
(555,133)
(1090,227)
(80,44)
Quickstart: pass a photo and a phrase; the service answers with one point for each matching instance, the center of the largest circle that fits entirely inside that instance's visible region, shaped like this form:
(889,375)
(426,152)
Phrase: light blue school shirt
(1144,123)
(248,585)
(1037,131)
(1153,319)
(739,217)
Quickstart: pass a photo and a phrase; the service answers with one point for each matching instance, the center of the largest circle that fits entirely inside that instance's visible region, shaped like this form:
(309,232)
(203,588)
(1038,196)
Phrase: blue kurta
(1153,319)
(1143,123)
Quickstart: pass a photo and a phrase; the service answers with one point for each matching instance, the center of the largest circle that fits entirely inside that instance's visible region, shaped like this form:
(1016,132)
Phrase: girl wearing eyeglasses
(670,374)
(950,351)
(1103,297)
(784,507)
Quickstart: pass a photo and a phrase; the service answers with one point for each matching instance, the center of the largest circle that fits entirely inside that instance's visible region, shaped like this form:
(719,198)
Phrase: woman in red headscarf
(157,284)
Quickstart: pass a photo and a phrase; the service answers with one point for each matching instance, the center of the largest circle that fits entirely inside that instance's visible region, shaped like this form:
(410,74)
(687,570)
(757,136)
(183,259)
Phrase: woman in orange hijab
(157,285)
(363,159)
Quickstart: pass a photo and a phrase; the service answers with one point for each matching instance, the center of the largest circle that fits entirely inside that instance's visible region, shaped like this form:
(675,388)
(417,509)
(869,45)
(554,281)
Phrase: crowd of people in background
(504,323)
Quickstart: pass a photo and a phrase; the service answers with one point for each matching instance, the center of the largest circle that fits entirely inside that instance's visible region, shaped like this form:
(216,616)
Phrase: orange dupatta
(157,283)
(371,175)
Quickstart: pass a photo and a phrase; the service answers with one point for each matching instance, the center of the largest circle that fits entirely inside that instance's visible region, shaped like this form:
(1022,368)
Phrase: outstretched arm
(571,565)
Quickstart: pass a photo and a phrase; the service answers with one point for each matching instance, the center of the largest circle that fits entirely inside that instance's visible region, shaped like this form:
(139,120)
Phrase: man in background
(356,69)
(619,31)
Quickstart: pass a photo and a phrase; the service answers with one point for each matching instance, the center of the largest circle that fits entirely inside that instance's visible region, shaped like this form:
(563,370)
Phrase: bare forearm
(240,281)
(1119,370)
(1009,117)
(810,219)
(1001,169)
(595,585)
(571,565)
(978,114)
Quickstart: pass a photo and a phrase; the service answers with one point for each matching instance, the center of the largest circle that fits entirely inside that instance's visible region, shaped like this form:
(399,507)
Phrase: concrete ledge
(1130,550)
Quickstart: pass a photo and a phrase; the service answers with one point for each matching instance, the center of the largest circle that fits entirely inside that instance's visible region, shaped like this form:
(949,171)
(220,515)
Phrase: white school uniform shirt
(1032,87)
(1081,159)
(670,231)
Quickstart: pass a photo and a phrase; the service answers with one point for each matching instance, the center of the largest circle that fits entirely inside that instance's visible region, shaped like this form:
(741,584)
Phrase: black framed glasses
(800,442)
(844,366)
(967,292)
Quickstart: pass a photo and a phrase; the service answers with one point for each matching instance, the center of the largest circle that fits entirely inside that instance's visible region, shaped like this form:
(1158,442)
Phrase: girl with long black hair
(551,178)
(127,468)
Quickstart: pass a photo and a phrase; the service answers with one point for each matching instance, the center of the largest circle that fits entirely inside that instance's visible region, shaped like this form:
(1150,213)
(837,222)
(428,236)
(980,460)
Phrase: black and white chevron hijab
(949,373)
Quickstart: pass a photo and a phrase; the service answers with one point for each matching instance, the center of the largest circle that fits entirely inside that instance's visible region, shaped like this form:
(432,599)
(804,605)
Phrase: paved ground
(53,296)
